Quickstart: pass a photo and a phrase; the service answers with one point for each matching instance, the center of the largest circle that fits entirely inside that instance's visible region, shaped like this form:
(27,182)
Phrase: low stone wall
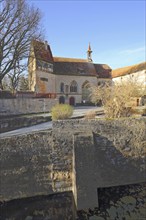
(59,206)
(119,202)
(77,155)
(18,106)
(15,122)
(26,166)
(105,153)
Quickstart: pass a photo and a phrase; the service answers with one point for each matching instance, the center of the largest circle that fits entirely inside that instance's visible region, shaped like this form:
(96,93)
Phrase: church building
(67,79)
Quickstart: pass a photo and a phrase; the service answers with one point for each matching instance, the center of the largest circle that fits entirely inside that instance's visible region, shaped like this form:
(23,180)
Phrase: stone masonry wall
(15,122)
(58,206)
(49,162)
(126,202)
(106,153)
(26,167)
(35,164)
(25,106)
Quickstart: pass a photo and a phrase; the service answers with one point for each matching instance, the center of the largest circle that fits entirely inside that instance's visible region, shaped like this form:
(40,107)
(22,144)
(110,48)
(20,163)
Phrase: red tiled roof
(128,70)
(41,52)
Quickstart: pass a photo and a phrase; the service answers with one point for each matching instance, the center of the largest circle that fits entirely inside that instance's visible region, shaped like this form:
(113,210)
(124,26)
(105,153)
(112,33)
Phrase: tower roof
(89,48)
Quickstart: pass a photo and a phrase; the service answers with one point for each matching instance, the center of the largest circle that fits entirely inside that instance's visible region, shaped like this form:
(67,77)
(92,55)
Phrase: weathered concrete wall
(67,159)
(25,106)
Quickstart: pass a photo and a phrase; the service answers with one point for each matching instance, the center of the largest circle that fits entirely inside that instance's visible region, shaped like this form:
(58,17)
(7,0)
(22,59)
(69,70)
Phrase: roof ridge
(128,69)
(134,65)
(69,59)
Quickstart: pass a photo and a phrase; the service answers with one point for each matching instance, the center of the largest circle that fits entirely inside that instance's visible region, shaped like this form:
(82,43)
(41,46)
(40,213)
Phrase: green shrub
(61,111)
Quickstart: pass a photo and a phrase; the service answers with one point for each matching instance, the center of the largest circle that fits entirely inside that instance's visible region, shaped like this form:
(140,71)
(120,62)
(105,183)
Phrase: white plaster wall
(54,81)
(139,77)
(49,87)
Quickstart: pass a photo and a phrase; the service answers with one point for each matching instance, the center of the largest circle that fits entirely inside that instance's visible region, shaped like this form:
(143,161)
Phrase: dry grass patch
(117,98)
(90,115)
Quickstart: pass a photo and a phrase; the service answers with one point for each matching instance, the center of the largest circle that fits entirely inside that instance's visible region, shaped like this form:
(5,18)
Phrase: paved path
(28,130)
(78,112)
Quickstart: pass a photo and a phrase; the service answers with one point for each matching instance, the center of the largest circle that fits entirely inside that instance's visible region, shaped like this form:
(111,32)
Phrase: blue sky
(115,29)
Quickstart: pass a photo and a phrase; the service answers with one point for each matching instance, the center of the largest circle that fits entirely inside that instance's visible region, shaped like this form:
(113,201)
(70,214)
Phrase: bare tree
(23,83)
(118,98)
(14,77)
(19,24)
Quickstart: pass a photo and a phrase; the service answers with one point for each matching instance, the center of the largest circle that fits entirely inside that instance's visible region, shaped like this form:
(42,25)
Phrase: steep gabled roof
(103,70)
(128,70)
(82,69)
(74,68)
(42,52)
(69,66)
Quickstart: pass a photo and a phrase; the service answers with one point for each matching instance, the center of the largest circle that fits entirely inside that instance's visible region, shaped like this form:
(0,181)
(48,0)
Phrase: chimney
(46,45)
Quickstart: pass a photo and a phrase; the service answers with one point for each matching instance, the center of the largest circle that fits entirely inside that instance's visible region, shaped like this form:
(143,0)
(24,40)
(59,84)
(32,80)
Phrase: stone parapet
(19,106)
(78,155)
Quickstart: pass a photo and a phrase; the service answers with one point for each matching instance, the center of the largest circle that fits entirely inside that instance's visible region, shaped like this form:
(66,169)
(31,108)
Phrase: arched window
(73,86)
(86,84)
(61,87)
(86,91)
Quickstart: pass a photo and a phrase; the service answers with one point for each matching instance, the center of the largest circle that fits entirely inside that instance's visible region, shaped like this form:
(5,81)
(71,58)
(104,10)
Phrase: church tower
(89,51)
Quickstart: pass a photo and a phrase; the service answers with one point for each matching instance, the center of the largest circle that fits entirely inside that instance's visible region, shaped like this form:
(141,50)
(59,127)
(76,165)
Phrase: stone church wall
(66,79)
(43,86)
